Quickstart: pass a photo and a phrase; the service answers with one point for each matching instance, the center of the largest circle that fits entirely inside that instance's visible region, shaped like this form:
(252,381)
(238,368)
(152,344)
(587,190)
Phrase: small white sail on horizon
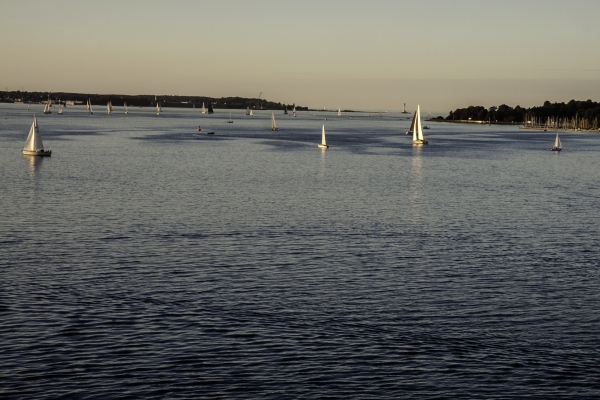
(323,144)
(203,108)
(33,144)
(229,121)
(47,107)
(158,109)
(60,109)
(125,107)
(294,111)
(251,113)
(273,124)
(418,129)
(339,112)
(89,106)
(108,108)
(557,144)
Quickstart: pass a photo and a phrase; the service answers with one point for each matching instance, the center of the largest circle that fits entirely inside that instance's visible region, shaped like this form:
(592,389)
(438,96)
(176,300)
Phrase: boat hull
(323,146)
(41,153)
(555,149)
(274,129)
(420,142)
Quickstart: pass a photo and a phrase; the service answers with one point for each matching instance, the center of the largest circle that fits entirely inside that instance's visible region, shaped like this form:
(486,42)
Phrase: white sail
(323,142)
(203,108)
(251,113)
(89,106)
(273,124)
(418,127)
(248,110)
(158,109)
(125,107)
(60,110)
(108,110)
(34,140)
(339,112)
(294,111)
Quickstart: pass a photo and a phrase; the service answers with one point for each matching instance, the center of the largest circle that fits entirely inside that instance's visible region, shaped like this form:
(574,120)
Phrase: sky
(365,55)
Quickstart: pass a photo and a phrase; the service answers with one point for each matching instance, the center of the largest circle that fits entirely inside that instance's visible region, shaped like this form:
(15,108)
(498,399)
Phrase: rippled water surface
(145,259)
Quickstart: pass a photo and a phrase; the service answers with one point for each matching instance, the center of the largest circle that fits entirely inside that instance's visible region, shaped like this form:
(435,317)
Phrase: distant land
(576,115)
(143,100)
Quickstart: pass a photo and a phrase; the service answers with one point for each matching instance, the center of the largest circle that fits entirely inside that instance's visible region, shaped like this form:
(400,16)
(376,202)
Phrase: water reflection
(416,183)
(322,166)
(35,165)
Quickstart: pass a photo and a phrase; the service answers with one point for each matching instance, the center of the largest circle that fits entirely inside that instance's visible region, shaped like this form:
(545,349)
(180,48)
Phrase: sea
(148,259)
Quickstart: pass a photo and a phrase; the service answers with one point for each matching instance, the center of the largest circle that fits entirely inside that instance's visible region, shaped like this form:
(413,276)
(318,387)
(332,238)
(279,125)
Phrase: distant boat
(248,110)
(273,124)
(47,107)
(557,145)
(323,144)
(339,112)
(89,106)
(404,110)
(33,144)
(294,111)
(412,125)
(285,110)
(125,107)
(158,108)
(418,130)
(229,121)
(210,110)
(251,113)
(203,108)
(60,109)
(108,108)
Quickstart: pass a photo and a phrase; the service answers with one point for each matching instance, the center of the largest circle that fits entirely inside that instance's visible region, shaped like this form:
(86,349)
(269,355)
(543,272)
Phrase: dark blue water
(145,259)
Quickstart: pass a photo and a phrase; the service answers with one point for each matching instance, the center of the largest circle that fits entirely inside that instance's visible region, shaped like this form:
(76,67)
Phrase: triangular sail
(203,108)
(108,108)
(412,125)
(34,140)
(557,143)
(418,128)
(125,107)
(273,124)
(323,137)
(339,112)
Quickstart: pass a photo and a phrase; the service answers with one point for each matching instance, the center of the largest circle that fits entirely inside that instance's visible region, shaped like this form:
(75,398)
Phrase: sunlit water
(147,259)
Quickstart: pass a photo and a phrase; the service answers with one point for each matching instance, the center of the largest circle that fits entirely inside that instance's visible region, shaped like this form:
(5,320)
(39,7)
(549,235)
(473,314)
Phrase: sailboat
(203,108)
(412,125)
(125,107)
(108,108)
(210,110)
(273,124)
(418,130)
(229,121)
(557,145)
(285,110)
(33,144)
(404,110)
(47,107)
(248,110)
(339,112)
(323,144)
(89,106)
(60,109)
(294,111)
(251,113)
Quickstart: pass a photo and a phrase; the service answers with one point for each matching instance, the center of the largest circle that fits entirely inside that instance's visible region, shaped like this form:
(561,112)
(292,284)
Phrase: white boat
(323,144)
(339,112)
(404,110)
(251,113)
(60,109)
(89,106)
(273,124)
(203,108)
(418,130)
(294,111)
(248,110)
(108,108)
(412,125)
(47,107)
(33,144)
(125,107)
(557,145)
(229,121)
(158,109)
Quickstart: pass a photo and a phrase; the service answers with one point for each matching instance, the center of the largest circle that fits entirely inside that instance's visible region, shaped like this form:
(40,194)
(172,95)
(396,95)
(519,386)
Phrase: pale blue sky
(350,54)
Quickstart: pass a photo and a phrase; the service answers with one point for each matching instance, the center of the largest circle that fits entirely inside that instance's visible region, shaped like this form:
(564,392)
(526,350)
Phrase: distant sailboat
(251,113)
(285,110)
(203,108)
(404,110)
(247,110)
(210,109)
(273,124)
(60,109)
(339,112)
(89,106)
(47,107)
(33,144)
(108,108)
(418,130)
(125,107)
(557,145)
(412,125)
(323,144)
(229,121)
(158,108)
(294,111)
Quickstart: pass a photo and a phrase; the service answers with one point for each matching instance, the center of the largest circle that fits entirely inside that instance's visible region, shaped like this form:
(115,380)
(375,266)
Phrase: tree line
(586,110)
